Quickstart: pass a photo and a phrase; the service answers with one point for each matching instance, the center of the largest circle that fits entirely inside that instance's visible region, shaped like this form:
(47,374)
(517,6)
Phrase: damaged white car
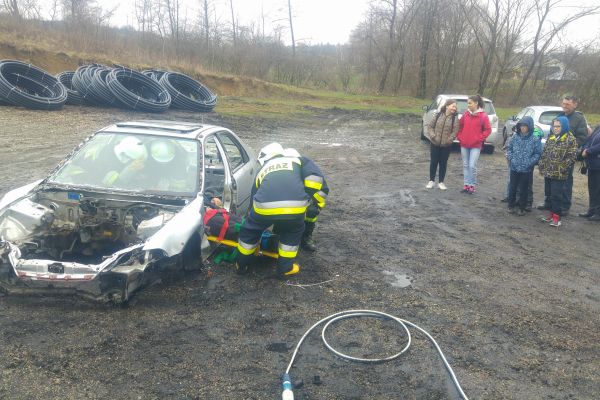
(122,209)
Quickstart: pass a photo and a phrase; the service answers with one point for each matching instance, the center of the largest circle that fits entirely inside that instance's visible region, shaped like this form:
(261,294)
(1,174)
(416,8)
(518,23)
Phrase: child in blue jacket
(524,151)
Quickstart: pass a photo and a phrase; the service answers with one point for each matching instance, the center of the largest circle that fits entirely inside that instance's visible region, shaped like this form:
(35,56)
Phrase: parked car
(542,118)
(124,208)
(461,102)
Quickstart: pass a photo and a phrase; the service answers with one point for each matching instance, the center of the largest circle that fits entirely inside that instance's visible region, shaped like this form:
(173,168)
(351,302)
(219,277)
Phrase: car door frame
(242,175)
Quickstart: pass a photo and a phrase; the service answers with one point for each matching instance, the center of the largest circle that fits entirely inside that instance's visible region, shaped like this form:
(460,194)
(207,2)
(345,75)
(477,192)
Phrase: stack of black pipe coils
(152,90)
(187,93)
(26,85)
(138,91)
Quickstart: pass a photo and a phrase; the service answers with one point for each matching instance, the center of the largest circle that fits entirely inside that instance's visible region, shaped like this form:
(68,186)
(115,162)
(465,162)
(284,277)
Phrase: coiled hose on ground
(26,85)
(138,91)
(187,93)
(82,82)
(73,96)
(287,384)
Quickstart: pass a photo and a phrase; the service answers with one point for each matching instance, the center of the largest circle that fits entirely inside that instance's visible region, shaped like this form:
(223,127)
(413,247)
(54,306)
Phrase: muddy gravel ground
(513,303)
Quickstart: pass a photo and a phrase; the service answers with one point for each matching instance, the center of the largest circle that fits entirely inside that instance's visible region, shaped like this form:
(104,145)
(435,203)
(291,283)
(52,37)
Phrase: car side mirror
(425,108)
(514,117)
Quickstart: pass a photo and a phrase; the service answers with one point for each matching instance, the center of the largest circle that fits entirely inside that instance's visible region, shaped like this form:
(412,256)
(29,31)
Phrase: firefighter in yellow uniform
(285,187)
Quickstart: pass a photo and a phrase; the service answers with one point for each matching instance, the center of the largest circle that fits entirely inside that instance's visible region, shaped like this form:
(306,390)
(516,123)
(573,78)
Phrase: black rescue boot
(307,242)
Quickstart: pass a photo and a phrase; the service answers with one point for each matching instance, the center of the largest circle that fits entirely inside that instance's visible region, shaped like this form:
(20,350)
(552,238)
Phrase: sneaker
(430,185)
(465,189)
(528,209)
(471,189)
(441,186)
(543,207)
(504,200)
(520,213)
(594,218)
(586,214)
(511,210)
(547,218)
(555,220)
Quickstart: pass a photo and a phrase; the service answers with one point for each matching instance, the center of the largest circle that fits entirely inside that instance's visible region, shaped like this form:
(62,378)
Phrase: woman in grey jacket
(442,131)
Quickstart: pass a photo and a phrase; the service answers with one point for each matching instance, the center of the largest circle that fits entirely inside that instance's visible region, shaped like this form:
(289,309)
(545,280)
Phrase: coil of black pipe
(101,89)
(155,74)
(83,83)
(73,96)
(26,85)
(187,93)
(138,91)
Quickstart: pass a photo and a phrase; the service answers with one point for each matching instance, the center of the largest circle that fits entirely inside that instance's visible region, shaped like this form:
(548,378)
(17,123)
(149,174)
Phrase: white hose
(373,314)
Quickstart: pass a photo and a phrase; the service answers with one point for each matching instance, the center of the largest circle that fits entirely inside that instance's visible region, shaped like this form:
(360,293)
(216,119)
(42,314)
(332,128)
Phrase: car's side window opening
(547,117)
(234,151)
(214,168)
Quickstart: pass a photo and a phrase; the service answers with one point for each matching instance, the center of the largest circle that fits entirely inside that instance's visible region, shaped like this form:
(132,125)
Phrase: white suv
(461,102)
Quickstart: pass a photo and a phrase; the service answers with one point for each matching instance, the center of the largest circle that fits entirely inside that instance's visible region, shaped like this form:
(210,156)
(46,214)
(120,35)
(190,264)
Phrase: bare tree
(429,10)
(233,24)
(517,13)
(19,9)
(546,32)
(292,28)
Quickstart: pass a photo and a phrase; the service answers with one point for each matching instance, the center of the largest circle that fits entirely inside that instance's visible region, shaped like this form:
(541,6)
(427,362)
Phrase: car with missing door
(122,209)
(461,103)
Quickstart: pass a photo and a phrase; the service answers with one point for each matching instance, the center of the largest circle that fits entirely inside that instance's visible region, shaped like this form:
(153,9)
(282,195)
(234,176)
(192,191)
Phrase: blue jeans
(470,157)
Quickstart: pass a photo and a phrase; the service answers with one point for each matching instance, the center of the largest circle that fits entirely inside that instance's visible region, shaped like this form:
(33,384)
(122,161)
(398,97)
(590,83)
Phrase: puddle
(397,279)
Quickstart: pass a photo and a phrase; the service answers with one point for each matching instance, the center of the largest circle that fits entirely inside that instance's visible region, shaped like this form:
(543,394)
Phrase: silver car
(461,102)
(542,118)
(123,209)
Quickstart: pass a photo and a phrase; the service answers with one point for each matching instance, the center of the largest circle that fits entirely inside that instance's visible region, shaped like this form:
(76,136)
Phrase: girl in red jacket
(474,128)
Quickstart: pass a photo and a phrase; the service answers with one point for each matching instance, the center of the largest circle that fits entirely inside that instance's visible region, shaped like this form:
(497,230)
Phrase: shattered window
(132,162)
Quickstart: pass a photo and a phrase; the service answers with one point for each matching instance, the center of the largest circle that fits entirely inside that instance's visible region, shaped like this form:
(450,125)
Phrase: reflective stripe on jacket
(286,185)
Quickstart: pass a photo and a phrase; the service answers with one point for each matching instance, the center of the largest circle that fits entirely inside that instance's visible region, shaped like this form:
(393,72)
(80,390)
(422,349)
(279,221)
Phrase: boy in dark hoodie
(524,151)
(557,159)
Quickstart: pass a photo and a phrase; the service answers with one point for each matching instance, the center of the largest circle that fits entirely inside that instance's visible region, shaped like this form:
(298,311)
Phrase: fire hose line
(288,394)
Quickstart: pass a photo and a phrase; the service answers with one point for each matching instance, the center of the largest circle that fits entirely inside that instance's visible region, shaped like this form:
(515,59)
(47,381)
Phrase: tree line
(504,49)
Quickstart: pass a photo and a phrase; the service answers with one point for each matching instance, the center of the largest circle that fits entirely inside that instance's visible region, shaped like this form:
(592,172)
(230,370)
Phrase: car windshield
(461,104)
(547,117)
(130,162)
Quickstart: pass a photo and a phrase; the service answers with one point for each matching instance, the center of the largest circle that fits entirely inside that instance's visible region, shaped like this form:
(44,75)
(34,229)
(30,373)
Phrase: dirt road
(513,303)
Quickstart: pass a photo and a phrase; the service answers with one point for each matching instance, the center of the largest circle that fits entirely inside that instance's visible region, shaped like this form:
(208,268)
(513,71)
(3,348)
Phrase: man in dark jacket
(579,128)
(285,187)
(591,155)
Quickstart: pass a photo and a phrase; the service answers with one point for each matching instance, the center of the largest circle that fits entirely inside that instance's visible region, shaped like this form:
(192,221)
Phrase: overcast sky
(320,21)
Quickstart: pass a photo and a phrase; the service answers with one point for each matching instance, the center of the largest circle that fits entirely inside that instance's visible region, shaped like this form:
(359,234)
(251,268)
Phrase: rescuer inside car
(288,189)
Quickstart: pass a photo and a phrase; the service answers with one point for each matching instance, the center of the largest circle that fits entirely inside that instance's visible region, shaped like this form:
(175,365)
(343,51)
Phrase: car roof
(180,129)
(461,97)
(545,108)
